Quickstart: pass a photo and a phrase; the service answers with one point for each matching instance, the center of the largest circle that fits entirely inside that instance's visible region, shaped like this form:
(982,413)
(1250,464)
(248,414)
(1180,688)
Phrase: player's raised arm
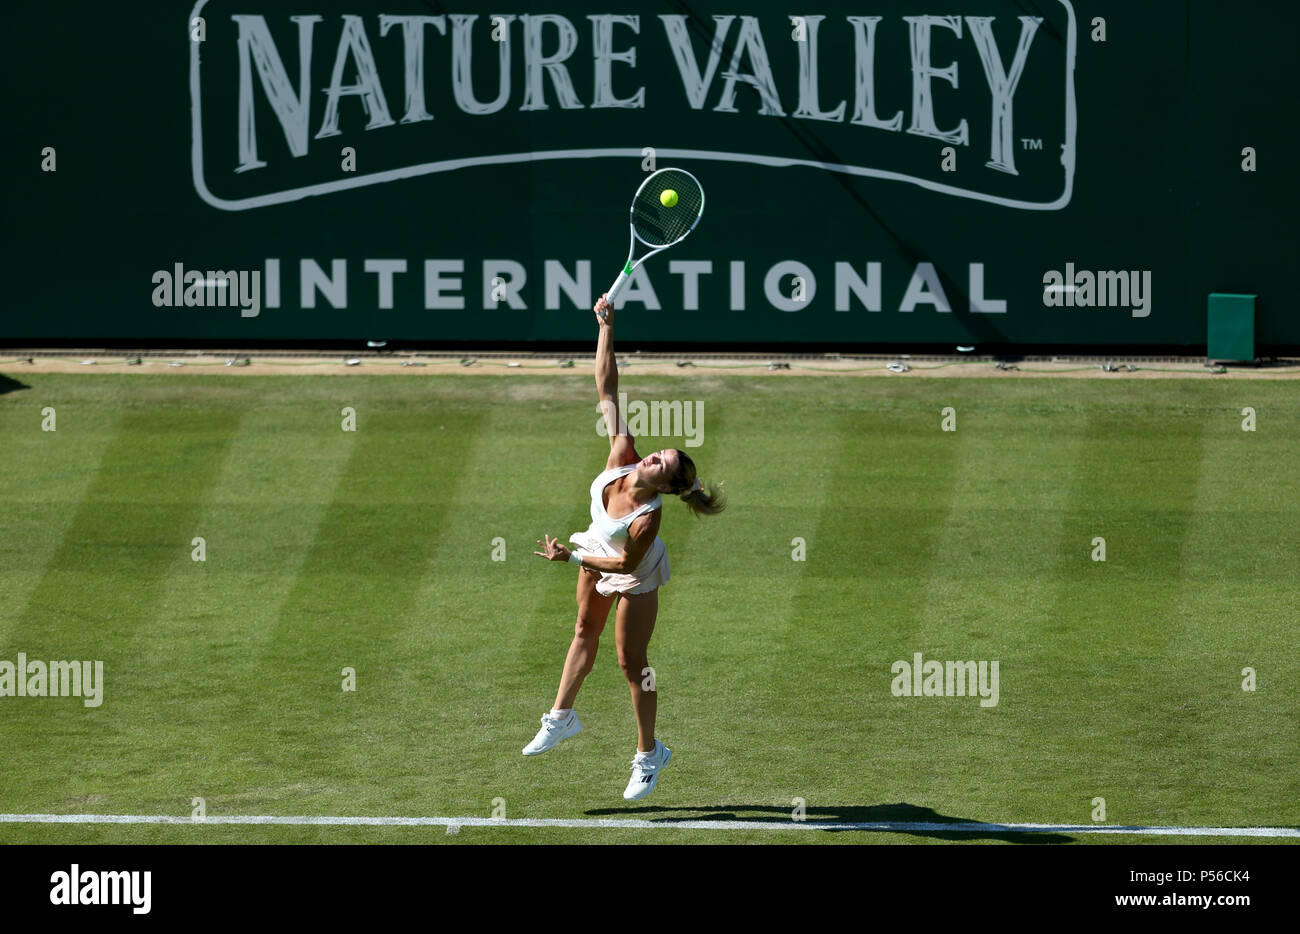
(606,369)
(621,449)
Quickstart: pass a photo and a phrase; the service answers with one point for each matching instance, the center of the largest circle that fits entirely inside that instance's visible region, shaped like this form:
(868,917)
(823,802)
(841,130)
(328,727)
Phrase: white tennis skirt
(652,573)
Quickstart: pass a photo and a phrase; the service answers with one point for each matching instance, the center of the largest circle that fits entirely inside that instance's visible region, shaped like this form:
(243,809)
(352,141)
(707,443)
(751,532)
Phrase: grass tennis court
(373,550)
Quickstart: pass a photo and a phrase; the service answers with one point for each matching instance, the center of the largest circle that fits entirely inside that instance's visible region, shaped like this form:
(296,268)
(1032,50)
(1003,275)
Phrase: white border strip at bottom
(622,823)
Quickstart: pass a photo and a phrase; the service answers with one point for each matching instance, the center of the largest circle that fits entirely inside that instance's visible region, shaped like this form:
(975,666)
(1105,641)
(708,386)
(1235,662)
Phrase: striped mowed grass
(372,550)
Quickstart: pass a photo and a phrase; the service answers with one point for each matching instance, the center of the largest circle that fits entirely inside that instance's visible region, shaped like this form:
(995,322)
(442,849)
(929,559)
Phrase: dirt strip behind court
(775,366)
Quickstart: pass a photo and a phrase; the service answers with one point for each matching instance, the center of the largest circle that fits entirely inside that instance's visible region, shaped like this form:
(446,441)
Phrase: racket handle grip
(617,286)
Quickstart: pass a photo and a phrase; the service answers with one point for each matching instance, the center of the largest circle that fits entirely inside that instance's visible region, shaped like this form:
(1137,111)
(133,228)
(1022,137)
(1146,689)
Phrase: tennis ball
(668,198)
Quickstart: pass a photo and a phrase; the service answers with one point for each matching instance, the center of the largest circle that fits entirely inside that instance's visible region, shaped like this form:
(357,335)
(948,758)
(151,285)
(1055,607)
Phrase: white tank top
(610,530)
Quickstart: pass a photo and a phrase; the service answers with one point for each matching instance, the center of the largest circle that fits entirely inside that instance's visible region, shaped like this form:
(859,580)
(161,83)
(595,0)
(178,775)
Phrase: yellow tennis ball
(668,198)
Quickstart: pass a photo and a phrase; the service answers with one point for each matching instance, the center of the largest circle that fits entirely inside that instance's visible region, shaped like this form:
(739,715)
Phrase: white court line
(623,823)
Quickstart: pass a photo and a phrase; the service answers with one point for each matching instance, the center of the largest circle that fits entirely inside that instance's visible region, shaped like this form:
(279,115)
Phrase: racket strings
(657,225)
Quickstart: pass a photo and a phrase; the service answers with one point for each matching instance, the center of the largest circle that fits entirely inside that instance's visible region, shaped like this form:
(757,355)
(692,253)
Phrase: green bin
(1230,328)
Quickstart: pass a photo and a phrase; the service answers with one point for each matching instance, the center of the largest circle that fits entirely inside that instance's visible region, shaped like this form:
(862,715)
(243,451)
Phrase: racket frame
(630,265)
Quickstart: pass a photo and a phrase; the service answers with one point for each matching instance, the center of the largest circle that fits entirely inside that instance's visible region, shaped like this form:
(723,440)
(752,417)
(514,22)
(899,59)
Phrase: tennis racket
(656,225)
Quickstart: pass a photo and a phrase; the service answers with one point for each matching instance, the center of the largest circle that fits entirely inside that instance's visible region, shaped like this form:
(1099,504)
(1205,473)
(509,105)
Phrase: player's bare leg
(593,612)
(633,626)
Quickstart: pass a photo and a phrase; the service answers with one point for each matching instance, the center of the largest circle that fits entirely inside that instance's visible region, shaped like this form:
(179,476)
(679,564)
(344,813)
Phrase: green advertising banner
(984,172)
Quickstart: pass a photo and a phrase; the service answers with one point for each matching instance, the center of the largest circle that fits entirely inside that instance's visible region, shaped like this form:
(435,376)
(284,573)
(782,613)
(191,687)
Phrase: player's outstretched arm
(621,444)
(607,368)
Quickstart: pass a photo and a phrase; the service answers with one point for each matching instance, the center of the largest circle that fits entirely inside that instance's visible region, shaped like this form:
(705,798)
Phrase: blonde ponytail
(702,502)
(705,503)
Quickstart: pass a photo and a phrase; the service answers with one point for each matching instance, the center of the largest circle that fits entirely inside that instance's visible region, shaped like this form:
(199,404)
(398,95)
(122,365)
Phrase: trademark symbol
(1031,144)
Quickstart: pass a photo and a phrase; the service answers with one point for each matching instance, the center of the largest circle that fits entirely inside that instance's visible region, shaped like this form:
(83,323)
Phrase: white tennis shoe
(553,731)
(645,772)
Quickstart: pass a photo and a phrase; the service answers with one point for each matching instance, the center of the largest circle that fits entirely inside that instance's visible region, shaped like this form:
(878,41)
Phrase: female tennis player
(623,558)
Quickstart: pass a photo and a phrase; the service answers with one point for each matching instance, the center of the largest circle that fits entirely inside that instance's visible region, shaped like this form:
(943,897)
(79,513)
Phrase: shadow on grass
(8,384)
(859,814)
